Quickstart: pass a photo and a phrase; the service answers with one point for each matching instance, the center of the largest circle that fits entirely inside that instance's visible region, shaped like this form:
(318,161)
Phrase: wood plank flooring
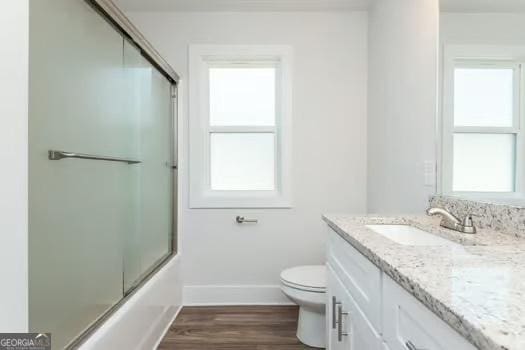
(234,328)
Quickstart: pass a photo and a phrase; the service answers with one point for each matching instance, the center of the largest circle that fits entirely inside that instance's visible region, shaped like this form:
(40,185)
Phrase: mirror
(482,100)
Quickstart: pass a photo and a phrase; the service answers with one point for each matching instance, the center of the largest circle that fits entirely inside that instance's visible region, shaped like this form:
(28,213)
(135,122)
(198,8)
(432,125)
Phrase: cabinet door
(347,326)
(337,309)
(360,277)
(408,323)
(362,335)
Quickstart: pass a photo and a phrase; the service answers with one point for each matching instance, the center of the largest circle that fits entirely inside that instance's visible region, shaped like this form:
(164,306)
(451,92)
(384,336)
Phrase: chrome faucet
(451,222)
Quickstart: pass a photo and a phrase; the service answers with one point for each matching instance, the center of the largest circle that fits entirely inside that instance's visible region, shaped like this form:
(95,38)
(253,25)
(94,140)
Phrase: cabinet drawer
(359,276)
(406,320)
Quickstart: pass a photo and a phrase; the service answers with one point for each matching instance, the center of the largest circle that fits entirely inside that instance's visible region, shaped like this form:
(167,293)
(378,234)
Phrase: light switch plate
(429,173)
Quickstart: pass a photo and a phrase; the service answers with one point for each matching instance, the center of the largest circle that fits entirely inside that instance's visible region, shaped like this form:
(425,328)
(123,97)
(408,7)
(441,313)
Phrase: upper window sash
(488,64)
(270,64)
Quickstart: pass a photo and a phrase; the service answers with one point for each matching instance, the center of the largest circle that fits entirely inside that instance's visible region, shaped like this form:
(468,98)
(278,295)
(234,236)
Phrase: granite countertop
(477,287)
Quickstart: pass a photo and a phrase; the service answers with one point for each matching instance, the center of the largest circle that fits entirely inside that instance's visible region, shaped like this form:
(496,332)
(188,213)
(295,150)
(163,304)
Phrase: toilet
(306,286)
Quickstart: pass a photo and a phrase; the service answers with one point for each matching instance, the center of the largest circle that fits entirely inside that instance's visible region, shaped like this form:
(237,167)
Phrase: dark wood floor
(234,328)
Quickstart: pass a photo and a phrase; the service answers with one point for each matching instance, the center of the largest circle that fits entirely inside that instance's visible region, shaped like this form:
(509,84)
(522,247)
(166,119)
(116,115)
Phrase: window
(483,149)
(240,115)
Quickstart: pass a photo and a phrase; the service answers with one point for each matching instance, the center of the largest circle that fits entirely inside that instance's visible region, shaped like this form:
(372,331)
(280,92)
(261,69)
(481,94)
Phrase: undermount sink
(409,235)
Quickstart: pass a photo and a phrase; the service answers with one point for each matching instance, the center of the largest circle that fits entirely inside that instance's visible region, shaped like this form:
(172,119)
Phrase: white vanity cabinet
(353,299)
(408,324)
(347,327)
(367,310)
(337,324)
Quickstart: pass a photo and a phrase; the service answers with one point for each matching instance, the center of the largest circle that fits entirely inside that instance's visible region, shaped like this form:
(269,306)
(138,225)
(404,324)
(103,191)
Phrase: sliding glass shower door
(100,168)
(148,96)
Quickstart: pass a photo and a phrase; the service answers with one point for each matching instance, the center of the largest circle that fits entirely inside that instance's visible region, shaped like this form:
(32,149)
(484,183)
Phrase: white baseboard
(201,295)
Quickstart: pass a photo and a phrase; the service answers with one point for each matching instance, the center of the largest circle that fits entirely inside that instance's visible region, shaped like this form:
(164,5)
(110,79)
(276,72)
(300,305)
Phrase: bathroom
(262,174)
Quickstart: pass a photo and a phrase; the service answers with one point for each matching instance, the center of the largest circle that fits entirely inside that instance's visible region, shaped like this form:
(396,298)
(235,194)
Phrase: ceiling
(242,5)
(482,5)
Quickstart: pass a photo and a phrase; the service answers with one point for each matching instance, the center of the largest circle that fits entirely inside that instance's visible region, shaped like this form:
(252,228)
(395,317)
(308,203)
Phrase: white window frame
(201,58)
(481,56)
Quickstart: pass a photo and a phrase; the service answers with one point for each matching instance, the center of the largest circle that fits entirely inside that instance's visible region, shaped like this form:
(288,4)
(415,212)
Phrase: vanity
(405,283)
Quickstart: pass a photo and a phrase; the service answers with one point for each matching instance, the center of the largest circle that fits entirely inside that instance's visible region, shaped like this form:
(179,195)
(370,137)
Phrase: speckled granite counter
(504,218)
(477,287)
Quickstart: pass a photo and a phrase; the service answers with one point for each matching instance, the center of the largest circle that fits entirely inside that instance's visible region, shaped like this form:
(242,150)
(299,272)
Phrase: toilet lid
(311,277)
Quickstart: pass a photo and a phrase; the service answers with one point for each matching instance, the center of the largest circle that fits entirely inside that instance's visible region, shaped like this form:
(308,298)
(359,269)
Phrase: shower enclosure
(102,168)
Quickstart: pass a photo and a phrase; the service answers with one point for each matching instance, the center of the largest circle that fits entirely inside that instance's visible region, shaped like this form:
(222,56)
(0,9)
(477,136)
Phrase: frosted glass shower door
(79,210)
(148,100)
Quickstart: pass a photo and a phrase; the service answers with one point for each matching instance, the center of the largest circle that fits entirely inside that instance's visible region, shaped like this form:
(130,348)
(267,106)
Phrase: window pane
(483,97)
(484,162)
(242,161)
(242,96)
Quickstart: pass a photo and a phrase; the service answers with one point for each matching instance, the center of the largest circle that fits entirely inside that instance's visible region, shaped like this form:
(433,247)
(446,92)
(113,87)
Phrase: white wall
(227,262)
(402,95)
(483,28)
(14,36)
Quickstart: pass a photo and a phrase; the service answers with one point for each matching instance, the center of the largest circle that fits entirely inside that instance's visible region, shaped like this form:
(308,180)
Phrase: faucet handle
(467,221)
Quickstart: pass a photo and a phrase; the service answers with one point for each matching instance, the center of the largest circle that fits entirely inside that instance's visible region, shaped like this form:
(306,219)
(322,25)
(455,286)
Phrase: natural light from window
(240,103)
(242,128)
(242,96)
(485,127)
(484,162)
(484,97)
(242,162)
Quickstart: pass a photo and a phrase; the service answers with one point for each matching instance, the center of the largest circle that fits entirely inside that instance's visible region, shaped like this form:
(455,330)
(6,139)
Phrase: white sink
(408,235)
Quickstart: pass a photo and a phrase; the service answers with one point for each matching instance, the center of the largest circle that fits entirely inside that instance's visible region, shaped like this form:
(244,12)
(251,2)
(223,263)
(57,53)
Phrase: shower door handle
(58,155)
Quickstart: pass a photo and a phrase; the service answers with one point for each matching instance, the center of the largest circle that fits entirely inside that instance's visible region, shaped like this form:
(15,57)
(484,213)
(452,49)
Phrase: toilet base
(311,327)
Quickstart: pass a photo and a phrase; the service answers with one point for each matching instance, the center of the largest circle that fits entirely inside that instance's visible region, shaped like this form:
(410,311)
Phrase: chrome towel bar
(57,155)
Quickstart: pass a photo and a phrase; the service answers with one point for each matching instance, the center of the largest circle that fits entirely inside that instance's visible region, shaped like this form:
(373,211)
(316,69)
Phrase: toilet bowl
(306,286)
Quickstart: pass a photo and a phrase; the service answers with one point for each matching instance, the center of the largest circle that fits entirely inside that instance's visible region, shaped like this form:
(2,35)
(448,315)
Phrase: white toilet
(306,286)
